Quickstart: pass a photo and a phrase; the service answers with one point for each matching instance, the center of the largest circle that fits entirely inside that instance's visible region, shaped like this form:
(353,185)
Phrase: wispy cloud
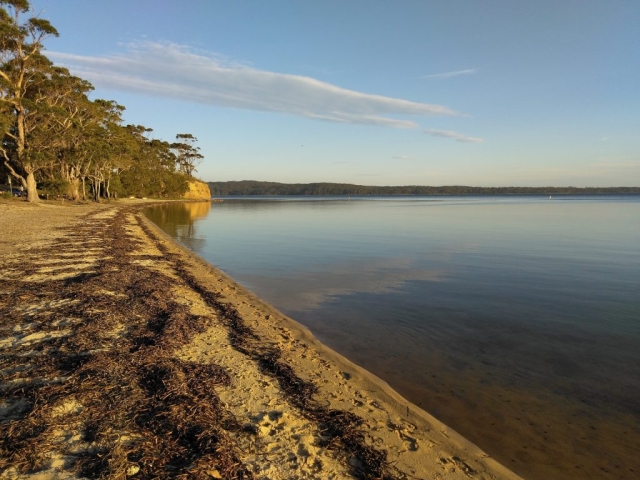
(456,73)
(400,157)
(176,71)
(453,135)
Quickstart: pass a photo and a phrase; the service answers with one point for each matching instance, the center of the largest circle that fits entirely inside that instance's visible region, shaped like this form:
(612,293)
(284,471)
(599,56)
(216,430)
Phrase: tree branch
(11,170)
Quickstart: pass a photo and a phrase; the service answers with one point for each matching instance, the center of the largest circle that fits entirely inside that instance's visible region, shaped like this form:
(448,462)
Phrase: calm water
(514,320)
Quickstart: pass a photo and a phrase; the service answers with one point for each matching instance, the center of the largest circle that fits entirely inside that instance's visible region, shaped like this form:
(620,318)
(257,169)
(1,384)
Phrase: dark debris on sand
(142,412)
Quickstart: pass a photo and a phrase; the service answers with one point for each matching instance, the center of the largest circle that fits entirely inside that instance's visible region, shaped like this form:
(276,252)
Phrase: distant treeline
(251,187)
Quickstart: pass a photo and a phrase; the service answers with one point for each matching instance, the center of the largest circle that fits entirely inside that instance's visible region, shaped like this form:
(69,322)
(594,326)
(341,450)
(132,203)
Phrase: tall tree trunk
(70,173)
(74,187)
(84,191)
(32,192)
(30,182)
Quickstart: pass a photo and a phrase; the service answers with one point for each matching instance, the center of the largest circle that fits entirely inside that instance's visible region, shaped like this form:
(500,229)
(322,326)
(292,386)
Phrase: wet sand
(125,355)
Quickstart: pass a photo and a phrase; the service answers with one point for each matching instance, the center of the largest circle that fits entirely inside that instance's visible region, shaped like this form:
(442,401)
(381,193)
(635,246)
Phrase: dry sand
(124,355)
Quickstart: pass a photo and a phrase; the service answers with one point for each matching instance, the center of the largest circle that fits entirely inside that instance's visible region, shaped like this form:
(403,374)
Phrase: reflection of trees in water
(178,220)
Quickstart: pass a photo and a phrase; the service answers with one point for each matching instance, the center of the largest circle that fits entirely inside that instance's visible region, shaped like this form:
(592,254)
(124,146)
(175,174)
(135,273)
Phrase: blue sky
(485,93)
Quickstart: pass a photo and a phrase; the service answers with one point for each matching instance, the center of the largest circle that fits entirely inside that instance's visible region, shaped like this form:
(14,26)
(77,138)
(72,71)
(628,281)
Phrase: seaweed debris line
(123,355)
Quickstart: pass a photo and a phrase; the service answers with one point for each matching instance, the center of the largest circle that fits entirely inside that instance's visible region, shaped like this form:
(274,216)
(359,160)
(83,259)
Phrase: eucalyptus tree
(154,170)
(188,155)
(54,126)
(21,66)
(106,148)
(123,150)
(81,123)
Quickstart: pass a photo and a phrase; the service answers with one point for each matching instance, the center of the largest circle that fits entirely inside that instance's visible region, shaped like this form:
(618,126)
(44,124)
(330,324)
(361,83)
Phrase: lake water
(514,320)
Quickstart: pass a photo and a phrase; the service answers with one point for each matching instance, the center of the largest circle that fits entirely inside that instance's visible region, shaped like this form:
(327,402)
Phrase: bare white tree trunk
(74,188)
(32,192)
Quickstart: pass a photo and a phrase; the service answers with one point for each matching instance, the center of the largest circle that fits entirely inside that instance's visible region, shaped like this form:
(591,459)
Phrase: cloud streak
(456,73)
(453,135)
(175,71)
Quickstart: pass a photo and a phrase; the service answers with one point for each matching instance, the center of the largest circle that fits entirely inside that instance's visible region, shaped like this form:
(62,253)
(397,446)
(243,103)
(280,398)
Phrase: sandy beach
(125,355)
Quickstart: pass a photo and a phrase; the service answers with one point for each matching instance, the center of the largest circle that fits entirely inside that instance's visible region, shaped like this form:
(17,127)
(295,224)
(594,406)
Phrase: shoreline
(260,395)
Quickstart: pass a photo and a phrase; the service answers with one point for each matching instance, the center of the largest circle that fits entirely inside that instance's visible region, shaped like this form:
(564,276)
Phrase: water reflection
(305,291)
(514,320)
(179,221)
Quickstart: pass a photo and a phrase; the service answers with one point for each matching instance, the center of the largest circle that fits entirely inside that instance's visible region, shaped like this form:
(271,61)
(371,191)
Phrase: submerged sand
(124,355)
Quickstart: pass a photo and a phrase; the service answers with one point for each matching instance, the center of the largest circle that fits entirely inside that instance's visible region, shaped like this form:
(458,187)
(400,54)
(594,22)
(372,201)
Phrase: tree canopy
(54,136)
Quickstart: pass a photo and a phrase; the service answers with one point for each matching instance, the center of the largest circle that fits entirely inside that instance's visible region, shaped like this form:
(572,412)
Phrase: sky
(458,92)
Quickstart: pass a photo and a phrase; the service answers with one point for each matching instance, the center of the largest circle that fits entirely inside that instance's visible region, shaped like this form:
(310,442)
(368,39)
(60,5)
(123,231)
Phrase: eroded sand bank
(123,354)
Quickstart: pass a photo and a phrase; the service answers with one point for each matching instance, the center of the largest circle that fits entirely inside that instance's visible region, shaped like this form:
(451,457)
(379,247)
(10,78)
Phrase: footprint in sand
(405,431)
(455,462)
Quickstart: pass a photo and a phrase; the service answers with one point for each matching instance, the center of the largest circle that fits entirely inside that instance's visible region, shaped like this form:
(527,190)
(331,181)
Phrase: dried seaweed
(341,428)
(109,356)
(142,412)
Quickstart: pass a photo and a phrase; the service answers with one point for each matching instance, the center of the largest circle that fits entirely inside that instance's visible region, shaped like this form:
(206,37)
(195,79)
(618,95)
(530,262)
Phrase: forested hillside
(251,187)
(57,140)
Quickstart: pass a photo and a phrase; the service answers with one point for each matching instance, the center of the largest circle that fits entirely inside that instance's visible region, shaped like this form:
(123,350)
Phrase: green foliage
(55,186)
(116,187)
(17,5)
(187,154)
(154,172)
(42,27)
(53,134)
(23,72)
